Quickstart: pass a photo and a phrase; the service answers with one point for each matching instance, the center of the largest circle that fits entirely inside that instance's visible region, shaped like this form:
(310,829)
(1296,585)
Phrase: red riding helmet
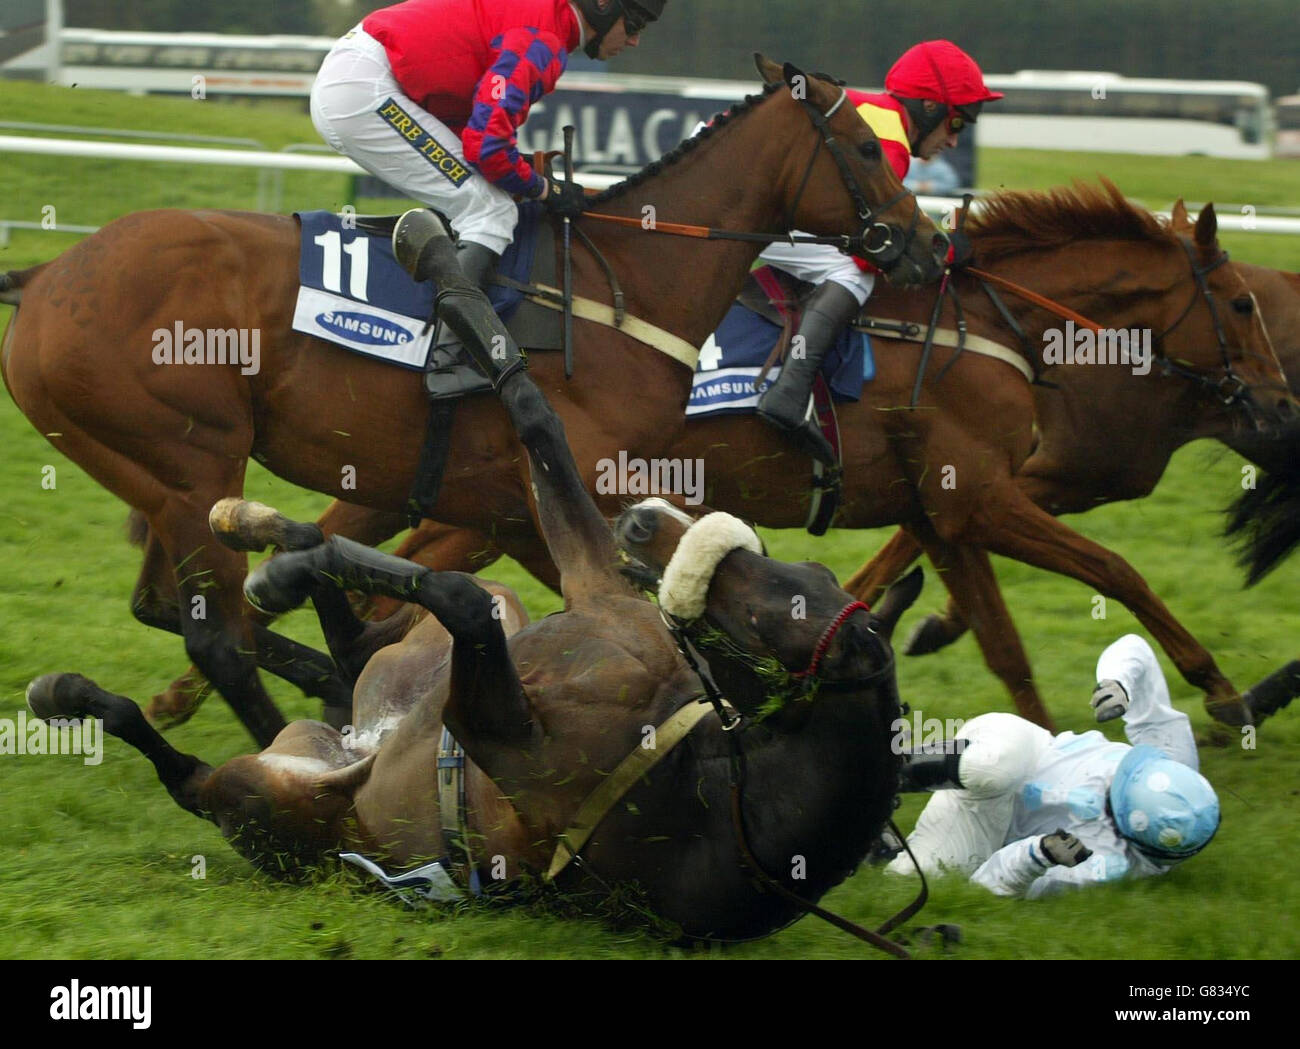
(940,71)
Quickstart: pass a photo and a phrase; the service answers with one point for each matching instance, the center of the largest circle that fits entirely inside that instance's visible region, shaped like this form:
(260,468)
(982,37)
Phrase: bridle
(1230,389)
(882,242)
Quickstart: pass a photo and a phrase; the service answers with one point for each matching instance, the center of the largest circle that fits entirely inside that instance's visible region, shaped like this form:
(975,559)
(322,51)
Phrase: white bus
(1288,126)
(1105,112)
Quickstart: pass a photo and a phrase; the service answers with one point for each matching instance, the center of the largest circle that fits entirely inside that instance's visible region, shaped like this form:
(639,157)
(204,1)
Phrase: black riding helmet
(603,15)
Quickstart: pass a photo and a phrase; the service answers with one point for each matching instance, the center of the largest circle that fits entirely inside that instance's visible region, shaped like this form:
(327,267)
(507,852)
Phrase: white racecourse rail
(341,165)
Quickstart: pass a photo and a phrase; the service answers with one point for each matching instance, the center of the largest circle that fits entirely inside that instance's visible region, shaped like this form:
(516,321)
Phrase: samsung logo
(364,327)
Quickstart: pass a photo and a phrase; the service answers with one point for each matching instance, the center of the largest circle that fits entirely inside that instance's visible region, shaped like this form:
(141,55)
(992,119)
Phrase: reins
(875,239)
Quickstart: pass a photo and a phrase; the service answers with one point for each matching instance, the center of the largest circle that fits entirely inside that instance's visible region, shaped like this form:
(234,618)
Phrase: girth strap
(453,811)
(620,781)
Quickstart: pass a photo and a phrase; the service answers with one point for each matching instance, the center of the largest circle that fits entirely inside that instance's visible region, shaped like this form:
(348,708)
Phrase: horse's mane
(670,158)
(1013,222)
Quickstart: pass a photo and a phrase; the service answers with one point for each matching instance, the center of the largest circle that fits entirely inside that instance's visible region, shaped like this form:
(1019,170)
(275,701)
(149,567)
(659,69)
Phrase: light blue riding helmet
(1169,811)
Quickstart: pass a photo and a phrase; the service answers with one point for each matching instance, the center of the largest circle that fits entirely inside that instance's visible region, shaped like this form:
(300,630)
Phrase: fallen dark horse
(594,762)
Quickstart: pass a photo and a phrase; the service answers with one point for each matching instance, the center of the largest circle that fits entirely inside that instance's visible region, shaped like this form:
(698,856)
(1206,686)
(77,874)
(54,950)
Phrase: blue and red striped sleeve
(529,61)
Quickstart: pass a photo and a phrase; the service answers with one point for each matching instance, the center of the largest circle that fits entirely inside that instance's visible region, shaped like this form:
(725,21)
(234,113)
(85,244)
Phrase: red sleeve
(528,64)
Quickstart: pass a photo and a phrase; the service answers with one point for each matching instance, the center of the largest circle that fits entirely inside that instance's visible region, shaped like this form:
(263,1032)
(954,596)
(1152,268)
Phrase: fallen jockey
(1027,814)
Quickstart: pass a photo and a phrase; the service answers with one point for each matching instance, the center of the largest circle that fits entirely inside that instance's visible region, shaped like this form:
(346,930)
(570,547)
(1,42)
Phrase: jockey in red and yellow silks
(429,94)
(932,92)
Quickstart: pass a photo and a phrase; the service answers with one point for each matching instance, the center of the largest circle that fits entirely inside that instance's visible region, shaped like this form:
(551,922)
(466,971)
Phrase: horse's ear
(1207,227)
(1178,217)
(767,69)
(808,87)
(898,599)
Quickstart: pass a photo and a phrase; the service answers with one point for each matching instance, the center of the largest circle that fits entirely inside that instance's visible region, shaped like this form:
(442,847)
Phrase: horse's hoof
(179,703)
(58,696)
(929,636)
(1216,736)
(1228,710)
(247,526)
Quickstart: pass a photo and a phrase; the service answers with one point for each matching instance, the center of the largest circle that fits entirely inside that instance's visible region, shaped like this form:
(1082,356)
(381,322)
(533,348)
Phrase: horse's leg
(367,526)
(485,691)
(870,582)
(155,602)
(1006,522)
(281,815)
(218,638)
(447,549)
(968,575)
(300,666)
(73,696)
(937,630)
(578,537)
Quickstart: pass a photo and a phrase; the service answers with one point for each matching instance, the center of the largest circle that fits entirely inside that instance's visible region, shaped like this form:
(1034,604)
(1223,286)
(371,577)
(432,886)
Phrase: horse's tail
(13,282)
(1264,521)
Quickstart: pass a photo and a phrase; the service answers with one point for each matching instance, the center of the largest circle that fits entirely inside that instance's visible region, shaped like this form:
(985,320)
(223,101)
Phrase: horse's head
(834,177)
(1215,329)
(744,607)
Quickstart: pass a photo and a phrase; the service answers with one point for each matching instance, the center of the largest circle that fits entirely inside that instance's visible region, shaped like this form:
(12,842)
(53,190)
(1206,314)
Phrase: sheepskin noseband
(685,585)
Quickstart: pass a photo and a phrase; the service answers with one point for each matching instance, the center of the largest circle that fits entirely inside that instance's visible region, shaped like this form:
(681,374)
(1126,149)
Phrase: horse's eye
(1243,304)
(870,150)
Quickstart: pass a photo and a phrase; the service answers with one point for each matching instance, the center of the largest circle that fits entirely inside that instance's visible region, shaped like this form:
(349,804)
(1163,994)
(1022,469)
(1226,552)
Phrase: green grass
(98,860)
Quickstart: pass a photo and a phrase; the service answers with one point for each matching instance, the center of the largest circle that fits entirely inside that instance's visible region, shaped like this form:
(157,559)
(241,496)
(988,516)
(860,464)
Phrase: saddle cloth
(352,291)
(733,356)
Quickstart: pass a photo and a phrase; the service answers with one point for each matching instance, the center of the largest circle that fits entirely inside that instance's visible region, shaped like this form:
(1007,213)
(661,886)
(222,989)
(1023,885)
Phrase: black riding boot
(424,249)
(477,262)
(785,404)
(932,767)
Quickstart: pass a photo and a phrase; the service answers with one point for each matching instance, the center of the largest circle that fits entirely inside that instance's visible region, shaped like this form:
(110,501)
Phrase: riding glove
(1063,849)
(1109,700)
(564,198)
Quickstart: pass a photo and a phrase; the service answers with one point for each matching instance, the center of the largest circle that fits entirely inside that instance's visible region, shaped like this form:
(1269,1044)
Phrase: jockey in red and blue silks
(932,92)
(428,95)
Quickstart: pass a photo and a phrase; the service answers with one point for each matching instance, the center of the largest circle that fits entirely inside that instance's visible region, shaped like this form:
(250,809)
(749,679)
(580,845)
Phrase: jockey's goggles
(962,116)
(634,19)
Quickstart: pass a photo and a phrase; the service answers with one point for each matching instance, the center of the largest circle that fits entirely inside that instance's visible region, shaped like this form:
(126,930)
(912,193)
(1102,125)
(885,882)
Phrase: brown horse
(552,712)
(1085,248)
(1132,430)
(172,440)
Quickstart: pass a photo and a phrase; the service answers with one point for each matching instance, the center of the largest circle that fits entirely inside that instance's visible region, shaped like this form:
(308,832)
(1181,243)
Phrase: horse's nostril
(939,245)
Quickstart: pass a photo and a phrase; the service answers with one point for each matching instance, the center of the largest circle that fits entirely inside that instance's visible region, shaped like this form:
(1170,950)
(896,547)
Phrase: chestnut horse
(552,712)
(171,441)
(1132,430)
(1085,248)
